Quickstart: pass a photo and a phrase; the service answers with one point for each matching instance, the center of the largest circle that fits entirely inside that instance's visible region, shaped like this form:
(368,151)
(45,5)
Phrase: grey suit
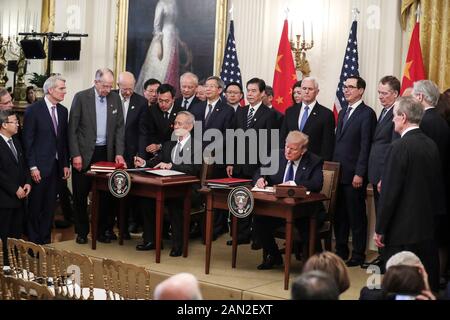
(83,126)
(82,142)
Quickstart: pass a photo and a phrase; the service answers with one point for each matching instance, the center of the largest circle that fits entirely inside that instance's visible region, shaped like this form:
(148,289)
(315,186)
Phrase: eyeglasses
(350,87)
(151,90)
(233,92)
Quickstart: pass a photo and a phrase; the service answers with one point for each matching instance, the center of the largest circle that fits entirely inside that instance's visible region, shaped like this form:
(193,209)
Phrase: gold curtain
(434,36)
(48,16)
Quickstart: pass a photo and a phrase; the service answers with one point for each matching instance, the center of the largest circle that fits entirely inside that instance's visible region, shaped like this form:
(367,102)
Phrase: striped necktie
(250,117)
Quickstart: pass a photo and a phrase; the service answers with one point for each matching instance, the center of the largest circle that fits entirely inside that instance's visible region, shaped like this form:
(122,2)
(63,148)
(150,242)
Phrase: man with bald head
(181,286)
(96,133)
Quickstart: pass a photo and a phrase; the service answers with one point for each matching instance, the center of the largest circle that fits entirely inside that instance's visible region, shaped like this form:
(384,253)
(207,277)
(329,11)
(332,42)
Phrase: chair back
(331,173)
(20,289)
(124,281)
(27,260)
(72,274)
(206,171)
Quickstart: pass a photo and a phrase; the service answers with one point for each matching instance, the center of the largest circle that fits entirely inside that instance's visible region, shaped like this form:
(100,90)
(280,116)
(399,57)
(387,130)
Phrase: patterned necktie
(185,103)
(208,115)
(177,157)
(55,122)
(13,149)
(304,118)
(250,117)
(346,116)
(383,113)
(290,172)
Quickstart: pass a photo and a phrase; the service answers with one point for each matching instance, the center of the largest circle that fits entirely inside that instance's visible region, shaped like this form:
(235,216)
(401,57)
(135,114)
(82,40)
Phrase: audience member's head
(201,91)
(310,90)
(268,96)
(233,93)
(407,92)
(447,93)
(388,91)
(6,102)
(404,258)
(166,96)
(151,90)
(403,280)
(31,94)
(314,285)
(407,112)
(427,92)
(182,286)
(188,84)
(297,92)
(443,107)
(255,91)
(104,81)
(126,84)
(331,264)
(354,88)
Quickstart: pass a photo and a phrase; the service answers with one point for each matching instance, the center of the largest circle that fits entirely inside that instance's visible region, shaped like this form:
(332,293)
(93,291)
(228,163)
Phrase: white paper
(165,173)
(266,189)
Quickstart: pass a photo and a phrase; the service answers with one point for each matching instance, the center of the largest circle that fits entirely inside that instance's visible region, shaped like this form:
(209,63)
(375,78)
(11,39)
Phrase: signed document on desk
(266,189)
(165,173)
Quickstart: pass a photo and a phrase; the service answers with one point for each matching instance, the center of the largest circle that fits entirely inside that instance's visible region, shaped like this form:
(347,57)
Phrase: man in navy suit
(188,87)
(234,95)
(304,168)
(15,180)
(313,119)
(215,114)
(354,133)
(267,100)
(388,91)
(47,154)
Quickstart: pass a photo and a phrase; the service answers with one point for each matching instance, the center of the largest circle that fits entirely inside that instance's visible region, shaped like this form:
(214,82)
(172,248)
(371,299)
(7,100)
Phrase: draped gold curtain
(434,36)
(48,16)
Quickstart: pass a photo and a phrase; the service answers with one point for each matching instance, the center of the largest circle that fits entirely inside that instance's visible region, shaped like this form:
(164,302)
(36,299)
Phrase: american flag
(230,66)
(350,67)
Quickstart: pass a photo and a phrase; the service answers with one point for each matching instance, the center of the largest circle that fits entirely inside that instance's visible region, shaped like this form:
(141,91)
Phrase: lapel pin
(314,114)
(217,109)
(132,107)
(254,120)
(114,111)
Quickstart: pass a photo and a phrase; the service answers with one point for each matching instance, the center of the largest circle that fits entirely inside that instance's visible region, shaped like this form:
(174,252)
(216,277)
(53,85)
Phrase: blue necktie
(346,116)
(304,118)
(383,113)
(290,172)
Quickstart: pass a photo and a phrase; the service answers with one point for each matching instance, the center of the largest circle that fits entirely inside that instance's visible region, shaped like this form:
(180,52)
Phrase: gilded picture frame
(123,26)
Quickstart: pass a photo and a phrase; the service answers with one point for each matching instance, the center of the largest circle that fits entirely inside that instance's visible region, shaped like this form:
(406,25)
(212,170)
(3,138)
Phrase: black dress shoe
(146,246)
(175,252)
(354,262)
(239,241)
(377,262)
(62,224)
(133,227)
(270,261)
(111,235)
(256,245)
(103,239)
(81,240)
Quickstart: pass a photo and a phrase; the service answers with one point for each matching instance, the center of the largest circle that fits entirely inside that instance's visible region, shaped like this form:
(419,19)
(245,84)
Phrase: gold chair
(20,289)
(124,281)
(72,274)
(27,260)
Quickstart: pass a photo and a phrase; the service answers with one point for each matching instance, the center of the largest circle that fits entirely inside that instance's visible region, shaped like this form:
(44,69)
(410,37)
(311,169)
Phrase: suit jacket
(382,138)
(309,172)
(166,156)
(353,142)
(262,119)
(157,129)
(412,191)
(179,103)
(278,118)
(13,174)
(319,127)
(40,141)
(135,128)
(83,126)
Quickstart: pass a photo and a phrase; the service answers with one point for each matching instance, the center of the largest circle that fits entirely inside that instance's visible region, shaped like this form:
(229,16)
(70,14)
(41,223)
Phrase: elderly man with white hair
(181,286)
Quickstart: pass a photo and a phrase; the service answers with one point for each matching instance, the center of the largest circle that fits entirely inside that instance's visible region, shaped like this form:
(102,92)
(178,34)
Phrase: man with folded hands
(304,168)
(176,155)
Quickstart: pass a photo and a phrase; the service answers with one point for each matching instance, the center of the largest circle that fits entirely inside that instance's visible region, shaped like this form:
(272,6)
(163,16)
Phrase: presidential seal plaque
(241,202)
(119,183)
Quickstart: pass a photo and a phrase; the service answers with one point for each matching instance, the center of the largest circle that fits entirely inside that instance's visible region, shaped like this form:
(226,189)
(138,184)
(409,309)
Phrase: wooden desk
(150,186)
(267,205)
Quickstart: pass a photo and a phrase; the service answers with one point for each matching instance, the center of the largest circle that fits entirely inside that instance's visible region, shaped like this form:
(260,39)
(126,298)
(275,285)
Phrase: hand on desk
(261,183)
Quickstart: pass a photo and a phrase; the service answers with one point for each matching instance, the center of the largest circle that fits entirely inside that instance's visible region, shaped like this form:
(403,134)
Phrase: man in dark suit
(296,164)
(234,95)
(151,91)
(188,87)
(436,128)
(254,119)
(47,155)
(134,110)
(410,192)
(5,100)
(313,119)
(96,133)
(388,91)
(267,100)
(215,114)
(354,132)
(159,120)
(179,156)
(15,180)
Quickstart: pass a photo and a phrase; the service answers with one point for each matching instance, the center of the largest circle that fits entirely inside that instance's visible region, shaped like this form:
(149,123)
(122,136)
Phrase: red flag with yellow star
(285,76)
(414,70)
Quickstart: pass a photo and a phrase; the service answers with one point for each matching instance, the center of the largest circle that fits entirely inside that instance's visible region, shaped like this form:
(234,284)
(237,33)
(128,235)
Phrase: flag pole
(355,13)
(232,12)
(418,12)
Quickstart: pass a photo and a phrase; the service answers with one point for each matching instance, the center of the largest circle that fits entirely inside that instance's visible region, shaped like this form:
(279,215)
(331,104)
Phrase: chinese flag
(414,70)
(284,76)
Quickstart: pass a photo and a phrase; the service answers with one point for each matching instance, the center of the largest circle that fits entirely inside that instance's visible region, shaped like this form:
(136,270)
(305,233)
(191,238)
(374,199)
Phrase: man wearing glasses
(151,91)
(96,133)
(354,133)
(15,180)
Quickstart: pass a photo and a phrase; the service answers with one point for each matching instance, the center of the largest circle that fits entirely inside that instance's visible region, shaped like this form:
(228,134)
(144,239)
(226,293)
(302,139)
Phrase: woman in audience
(331,264)
(31,95)
(402,282)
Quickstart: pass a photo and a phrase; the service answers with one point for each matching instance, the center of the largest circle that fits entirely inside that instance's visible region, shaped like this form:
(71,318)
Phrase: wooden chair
(124,281)
(20,289)
(27,260)
(72,274)
(331,177)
